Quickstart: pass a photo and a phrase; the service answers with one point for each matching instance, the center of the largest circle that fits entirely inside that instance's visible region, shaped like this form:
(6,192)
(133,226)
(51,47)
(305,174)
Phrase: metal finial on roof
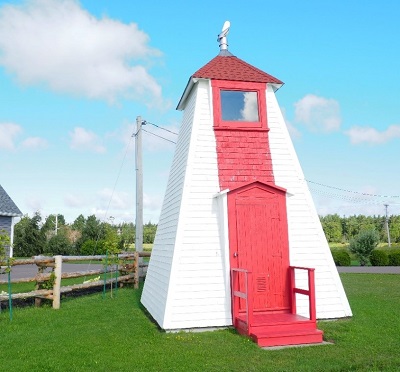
(223,44)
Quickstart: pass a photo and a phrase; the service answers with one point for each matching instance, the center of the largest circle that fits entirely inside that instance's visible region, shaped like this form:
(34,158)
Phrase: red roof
(234,69)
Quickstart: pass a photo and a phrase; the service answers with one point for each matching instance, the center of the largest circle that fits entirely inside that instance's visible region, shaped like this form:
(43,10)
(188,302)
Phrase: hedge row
(377,258)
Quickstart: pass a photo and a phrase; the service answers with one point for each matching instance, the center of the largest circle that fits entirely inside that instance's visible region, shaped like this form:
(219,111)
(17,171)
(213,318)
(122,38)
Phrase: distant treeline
(342,229)
(85,236)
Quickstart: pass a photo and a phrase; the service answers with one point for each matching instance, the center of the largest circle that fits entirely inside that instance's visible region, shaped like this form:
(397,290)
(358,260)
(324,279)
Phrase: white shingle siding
(188,243)
(307,243)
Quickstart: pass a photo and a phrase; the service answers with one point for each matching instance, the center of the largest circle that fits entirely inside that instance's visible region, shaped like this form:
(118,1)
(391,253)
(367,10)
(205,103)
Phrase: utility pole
(139,186)
(387,223)
(56,228)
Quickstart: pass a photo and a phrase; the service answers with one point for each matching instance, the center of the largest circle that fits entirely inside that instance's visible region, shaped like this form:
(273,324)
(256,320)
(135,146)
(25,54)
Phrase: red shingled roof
(233,68)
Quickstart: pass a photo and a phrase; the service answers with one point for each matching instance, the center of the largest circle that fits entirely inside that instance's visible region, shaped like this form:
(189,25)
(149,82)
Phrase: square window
(237,105)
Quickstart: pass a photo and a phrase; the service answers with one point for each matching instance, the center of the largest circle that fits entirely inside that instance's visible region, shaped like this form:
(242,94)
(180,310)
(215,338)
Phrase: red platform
(280,329)
(275,328)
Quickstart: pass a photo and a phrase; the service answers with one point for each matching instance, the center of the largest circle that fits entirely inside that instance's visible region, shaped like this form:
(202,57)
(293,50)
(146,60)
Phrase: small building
(238,225)
(8,212)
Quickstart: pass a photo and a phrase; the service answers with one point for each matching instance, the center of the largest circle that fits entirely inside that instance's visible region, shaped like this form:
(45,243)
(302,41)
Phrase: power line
(355,192)
(155,125)
(156,135)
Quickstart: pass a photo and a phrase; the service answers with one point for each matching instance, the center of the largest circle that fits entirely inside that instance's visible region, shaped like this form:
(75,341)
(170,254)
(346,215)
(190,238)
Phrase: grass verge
(95,334)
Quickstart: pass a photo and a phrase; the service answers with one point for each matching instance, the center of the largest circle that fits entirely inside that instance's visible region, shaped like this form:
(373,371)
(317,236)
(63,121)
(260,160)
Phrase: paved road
(370,269)
(30,271)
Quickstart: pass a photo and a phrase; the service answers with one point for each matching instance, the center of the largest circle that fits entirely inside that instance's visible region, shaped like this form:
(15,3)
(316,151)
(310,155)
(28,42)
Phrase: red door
(259,243)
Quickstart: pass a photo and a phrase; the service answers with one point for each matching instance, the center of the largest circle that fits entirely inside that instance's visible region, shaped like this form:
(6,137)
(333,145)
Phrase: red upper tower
(240,119)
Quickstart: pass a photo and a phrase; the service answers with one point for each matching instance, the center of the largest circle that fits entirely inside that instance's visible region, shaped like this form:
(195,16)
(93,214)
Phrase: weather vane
(223,44)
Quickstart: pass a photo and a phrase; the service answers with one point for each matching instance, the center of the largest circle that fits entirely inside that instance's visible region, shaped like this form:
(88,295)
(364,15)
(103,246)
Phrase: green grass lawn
(90,333)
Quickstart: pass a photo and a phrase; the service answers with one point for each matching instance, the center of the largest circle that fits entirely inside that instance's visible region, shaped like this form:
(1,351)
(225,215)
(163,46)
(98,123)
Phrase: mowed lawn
(90,333)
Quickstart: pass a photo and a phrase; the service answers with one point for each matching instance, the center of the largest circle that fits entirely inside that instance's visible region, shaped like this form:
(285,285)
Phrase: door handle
(235,254)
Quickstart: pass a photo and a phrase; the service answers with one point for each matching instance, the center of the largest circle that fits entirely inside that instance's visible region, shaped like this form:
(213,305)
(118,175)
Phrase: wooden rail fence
(126,266)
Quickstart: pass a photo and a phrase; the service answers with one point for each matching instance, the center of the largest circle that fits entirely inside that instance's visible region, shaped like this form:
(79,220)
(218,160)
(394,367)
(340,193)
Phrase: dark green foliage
(379,258)
(29,240)
(342,229)
(127,235)
(149,233)
(4,242)
(394,258)
(363,245)
(79,223)
(341,258)
(92,247)
(60,244)
(332,226)
(51,223)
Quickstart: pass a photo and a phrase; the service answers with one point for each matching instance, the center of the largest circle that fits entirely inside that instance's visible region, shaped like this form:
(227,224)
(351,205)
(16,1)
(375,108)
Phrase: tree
(394,228)
(4,243)
(79,223)
(111,240)
(29,240)
(92,230)
(49,226)
(363,245)
(332,225)
(126,235)
(60,244)
(149,233)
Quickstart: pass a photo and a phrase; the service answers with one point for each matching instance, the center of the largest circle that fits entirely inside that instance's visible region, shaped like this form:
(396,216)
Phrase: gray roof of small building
(7,206)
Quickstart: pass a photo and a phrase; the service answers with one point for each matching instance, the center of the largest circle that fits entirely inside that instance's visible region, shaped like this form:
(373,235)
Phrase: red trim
(242,147)
(259,88)
(258,243)
(310,292)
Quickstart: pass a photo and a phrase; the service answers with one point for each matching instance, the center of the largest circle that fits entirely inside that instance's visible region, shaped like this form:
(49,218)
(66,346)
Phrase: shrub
(91,247)
(394,258)
(379,258)
(363,245)
(341,258)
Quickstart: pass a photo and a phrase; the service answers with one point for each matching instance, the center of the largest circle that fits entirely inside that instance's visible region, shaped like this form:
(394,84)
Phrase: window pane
(239,105)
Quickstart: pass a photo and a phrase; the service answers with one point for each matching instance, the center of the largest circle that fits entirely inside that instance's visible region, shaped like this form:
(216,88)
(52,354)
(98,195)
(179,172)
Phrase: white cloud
(318,113)
(34,143)
(370,135)
(153,138)
(115,200)
(82,139)
(8,133)
(61,45)
(74,201)
(152,202)
(293,131)
(250,107)
(34,203)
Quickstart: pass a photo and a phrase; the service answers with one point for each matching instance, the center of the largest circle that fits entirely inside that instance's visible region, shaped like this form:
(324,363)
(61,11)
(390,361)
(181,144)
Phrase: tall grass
(114,334)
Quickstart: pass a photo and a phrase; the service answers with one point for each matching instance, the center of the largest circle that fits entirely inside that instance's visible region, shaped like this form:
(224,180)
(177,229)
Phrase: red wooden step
(295,337)
(279,329)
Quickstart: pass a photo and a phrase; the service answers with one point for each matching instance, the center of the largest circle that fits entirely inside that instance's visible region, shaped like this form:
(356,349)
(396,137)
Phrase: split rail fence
(127,268)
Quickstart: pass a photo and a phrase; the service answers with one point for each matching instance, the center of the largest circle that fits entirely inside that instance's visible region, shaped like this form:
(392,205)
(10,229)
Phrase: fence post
(57,282)
(136,271)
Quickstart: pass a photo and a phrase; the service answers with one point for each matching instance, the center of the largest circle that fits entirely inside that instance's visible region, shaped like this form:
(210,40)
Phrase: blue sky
(75,75)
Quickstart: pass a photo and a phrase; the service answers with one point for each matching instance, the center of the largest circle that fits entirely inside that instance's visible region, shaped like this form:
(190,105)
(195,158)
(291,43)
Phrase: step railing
(310,292)
(241,282)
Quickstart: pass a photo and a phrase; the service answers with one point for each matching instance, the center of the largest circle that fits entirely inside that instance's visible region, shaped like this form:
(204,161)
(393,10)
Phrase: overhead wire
(160,127)
(112,193)
(354,192)
(156,135)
